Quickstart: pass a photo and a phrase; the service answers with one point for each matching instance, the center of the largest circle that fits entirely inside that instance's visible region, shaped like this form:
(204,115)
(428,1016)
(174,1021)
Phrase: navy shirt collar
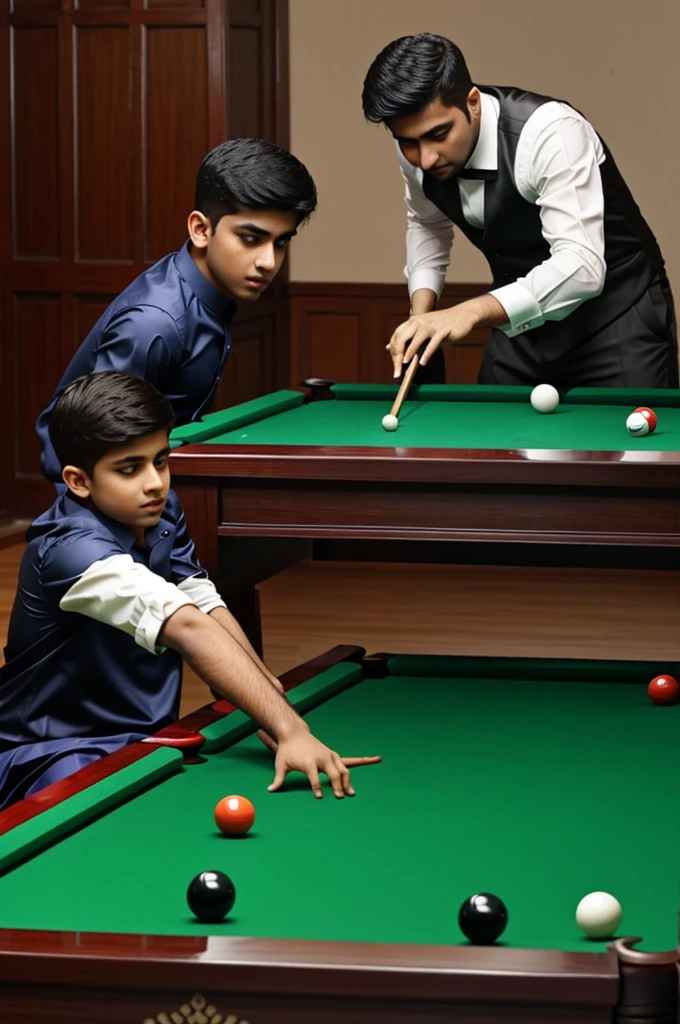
(122,533)
(201,286)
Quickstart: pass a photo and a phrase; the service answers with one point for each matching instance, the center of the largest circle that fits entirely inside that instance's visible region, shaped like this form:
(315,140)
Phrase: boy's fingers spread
(344,775)
(315,783)
(278,780)
(333,773)
(355,762)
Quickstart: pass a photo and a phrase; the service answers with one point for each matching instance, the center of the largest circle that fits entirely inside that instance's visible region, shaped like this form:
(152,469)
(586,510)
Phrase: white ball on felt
(545,398)
(390,422)
(599,915)
(637,425)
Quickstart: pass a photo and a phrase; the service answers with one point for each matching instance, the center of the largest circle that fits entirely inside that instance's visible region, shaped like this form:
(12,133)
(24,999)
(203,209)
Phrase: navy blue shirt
(71,682)
(170,327)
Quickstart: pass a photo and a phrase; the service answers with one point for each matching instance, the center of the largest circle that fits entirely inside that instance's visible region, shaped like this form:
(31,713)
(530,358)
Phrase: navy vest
(513,243)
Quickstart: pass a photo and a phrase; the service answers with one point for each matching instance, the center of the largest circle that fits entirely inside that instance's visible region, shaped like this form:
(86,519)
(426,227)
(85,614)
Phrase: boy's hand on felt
(304,753)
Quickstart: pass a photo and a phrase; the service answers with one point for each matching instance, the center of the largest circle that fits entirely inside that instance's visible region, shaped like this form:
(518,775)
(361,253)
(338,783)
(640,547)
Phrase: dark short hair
(102,411)
(411,73)
(251,174)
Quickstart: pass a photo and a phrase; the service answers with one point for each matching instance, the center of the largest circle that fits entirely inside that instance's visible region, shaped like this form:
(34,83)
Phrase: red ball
(234,815)
(649,415)
(664,690)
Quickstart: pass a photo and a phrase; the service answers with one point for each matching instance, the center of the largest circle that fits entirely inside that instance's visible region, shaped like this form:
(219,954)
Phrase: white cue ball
(390,422)
(637,425)
(599,915)
(545,398)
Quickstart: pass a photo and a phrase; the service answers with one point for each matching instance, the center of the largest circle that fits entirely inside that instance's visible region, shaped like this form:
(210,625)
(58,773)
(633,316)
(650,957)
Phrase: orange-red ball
(234,815)
(649,415)
(664,690)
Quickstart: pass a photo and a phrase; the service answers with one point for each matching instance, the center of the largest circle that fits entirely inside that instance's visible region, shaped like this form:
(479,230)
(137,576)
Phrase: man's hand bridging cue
(442,327)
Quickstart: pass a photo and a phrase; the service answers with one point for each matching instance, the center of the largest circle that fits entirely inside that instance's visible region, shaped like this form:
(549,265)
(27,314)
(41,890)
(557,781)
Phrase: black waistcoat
(513,243)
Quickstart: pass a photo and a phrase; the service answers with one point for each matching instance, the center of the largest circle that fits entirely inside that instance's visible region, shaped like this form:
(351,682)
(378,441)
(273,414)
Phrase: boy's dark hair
(411,73)
(102,411)
(251,174)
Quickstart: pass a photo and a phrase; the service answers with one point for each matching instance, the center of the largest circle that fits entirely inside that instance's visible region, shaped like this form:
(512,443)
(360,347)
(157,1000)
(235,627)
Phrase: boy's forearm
(218,658)
(226,620)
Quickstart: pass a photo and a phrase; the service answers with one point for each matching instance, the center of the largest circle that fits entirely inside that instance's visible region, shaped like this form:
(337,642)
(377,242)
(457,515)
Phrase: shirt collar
(200,285)
(123,534)
(485,154)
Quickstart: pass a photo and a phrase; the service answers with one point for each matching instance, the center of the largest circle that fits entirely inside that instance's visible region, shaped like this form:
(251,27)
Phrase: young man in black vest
(579,296)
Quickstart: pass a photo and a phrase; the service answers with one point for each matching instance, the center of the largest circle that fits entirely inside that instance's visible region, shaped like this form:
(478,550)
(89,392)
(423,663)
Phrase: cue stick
(405,385)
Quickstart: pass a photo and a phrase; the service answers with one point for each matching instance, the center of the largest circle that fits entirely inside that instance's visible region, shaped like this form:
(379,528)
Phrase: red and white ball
(641,421)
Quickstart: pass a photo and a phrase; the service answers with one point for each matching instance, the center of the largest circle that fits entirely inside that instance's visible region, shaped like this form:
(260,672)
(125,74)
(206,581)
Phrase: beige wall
(616,60)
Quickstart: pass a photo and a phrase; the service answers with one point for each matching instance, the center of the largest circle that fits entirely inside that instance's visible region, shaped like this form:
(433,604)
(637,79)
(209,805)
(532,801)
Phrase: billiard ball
(641,421)
(211,896)
(545,398)
(390,422)
(234,815)
(649,415)
(664,691)
(599,915)
(482,918)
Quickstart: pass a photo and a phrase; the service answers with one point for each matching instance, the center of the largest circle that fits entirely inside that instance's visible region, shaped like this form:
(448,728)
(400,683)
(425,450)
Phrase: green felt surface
(459,417)
(538,791)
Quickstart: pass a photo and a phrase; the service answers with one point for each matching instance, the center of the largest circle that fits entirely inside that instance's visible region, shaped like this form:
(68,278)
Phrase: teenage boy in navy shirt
(111,598)
(171,326)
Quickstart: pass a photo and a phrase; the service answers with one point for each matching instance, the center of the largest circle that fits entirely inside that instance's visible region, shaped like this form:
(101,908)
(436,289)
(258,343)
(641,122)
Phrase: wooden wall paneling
(176,98)
(217,72)
(340,331)
(36,360)
(257,71)
(252,368)
(246,66)
(104,5)
(24,6)
(35,61)
(66,140)
(6,243)
(104,173)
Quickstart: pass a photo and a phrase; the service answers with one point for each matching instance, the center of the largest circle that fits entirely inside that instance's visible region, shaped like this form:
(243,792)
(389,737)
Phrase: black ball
(483,918)
(211,895)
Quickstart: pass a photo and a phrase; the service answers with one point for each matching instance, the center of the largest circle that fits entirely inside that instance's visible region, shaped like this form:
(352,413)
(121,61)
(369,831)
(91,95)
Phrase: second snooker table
(538,780)
(262,481)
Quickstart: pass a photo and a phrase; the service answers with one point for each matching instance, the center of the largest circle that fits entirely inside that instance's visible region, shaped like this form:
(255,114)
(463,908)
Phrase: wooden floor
(443,609)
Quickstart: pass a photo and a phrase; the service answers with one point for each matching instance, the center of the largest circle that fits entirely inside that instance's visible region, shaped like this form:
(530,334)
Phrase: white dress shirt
(126,595)
(557,168)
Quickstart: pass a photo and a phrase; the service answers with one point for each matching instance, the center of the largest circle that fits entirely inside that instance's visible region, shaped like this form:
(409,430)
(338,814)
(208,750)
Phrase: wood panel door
(107,108)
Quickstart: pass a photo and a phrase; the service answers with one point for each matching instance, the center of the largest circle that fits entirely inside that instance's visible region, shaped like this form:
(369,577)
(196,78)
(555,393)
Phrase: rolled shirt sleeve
(126,595)
(429,234)
(202,592)
(557,168)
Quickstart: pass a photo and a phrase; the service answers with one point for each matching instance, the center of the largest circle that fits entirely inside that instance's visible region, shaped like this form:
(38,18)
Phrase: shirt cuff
(425,279)
(149,619)
(202,592)
(126,595)
(523,311)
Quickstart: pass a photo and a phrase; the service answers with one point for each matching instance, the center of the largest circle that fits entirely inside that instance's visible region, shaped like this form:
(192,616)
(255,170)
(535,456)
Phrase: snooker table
(262,481)
(538,780)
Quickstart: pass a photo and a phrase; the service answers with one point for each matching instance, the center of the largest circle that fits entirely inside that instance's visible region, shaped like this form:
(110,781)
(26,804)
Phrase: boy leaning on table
(172,324)
(110,599)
